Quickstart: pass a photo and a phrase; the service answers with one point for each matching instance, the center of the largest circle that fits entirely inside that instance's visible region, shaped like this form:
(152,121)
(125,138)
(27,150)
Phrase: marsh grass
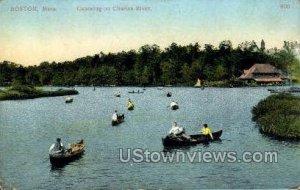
(19,92)
(279,116)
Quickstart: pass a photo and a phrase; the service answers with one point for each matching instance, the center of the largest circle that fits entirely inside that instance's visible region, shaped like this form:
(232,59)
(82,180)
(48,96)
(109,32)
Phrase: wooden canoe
(194,140)
(75,152)
(69,100)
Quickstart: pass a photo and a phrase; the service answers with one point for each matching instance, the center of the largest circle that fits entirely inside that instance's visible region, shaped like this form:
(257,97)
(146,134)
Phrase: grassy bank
(20,92)
(279,116)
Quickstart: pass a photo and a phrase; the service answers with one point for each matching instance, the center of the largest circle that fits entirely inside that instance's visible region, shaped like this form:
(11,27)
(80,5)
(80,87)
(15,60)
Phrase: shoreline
(164,86)
(19,95)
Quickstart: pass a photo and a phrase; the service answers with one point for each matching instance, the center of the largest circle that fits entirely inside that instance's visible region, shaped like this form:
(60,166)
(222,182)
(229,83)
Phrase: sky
(79,28)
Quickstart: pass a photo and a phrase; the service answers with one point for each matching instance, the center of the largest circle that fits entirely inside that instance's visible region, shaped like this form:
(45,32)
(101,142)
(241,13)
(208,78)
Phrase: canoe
(69,100)
(205,138)
(75,152)
(120,120)
(170,141)
(137,92)
(174,107)
(117,95)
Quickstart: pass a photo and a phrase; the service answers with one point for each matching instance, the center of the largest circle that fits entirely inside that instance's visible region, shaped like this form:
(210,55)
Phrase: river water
(29,127)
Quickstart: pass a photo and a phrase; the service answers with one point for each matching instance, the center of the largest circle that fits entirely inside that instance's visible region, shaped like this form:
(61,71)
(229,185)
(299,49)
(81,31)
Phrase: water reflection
(61,164)
(57,168)
(175,149)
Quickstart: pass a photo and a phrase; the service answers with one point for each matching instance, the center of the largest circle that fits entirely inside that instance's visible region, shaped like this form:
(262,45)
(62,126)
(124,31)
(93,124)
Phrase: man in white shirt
(115,116)
(176,130)
(58,146)
(173,104)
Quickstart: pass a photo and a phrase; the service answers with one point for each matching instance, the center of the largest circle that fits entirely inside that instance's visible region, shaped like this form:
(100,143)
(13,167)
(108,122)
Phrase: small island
(20,92)
(278,116)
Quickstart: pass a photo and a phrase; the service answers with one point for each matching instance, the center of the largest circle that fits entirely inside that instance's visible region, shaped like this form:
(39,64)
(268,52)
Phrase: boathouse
(264,74)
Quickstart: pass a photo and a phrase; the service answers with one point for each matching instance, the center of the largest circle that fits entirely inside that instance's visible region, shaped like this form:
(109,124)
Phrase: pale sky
(31,37)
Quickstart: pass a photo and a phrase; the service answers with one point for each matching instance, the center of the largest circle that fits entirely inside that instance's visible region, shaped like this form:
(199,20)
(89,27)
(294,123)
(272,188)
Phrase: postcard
(149,94)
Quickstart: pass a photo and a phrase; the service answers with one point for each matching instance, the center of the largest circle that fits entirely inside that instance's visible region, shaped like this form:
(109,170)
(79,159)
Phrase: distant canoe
(75,152)
(137,92)
(175,107)
(169,94)
(118,95)
(169,141)
(120,120)
(69,100)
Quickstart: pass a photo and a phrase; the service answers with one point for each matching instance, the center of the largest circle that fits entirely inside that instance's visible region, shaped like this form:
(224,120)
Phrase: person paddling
(59,146)
(115,116)
(173,103)
(206,131)
(178,132)
(130,105)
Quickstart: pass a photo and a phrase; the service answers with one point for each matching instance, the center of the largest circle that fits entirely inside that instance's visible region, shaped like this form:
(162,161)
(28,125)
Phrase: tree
(248,46)
(45,73)
(149,56)
(32,77)
(186,74)
(197,69)
(220,72)
(225,45)
(168,71)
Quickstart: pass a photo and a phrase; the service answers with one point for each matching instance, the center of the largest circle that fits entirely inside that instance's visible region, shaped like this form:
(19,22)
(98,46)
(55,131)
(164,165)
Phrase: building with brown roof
(263,74)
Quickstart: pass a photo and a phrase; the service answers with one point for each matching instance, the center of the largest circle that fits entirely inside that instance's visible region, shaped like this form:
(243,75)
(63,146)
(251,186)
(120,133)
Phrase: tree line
(151,65)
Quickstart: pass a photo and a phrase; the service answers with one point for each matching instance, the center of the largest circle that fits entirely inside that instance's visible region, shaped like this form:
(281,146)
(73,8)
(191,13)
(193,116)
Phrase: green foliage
(23,89)
(18,92)
(151,65)
(168,73)
(279,116)
(186,72)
